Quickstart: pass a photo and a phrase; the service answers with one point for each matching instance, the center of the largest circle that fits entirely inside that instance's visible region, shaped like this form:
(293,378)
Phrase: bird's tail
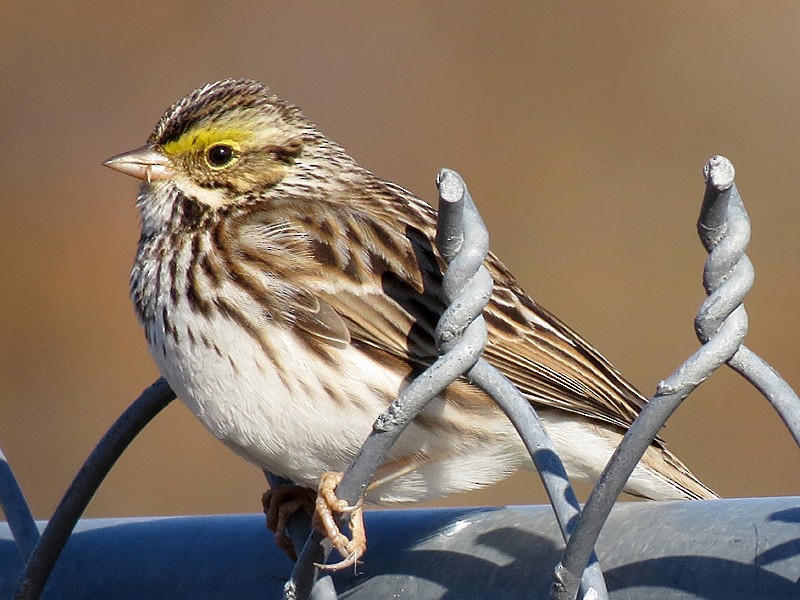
(669,478)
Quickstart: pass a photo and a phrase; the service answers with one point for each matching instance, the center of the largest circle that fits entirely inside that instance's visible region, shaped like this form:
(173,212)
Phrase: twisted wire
(727,278)
(461,336)
(464,345)
(721,325)
(467,285)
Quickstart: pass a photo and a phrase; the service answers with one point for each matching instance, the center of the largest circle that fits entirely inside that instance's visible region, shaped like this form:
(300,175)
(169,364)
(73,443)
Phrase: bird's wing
(376,280)
(546,360)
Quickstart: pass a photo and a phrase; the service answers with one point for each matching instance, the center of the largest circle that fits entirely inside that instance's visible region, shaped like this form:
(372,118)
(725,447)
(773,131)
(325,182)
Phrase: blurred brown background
(580,128)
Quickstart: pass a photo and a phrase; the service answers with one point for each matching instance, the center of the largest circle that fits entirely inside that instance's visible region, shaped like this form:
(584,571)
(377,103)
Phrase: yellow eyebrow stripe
(200,139)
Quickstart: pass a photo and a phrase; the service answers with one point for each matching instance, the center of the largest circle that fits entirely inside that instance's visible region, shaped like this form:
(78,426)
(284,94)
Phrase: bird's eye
(220,155)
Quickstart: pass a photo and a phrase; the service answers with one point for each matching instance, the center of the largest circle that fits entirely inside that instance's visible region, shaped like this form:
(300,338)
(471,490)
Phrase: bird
(288,295)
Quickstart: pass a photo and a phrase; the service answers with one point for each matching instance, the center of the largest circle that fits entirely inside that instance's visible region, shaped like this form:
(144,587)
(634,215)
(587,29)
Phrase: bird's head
(227,142)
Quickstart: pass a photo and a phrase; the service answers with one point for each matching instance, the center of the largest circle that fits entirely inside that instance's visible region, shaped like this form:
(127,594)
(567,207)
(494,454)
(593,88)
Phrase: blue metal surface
(741,548)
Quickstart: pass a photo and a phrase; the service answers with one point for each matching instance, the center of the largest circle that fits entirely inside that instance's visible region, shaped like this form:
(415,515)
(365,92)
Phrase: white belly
(294,427)
(289,425)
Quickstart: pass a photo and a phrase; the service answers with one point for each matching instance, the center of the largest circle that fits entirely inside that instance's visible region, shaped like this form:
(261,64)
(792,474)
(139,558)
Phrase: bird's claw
(280,503)
(327,505)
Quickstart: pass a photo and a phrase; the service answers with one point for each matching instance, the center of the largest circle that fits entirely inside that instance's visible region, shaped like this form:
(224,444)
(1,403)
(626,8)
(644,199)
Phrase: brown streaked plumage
(288,294)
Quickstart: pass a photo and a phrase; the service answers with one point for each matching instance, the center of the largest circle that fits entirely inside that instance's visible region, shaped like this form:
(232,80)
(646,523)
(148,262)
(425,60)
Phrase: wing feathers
(383,289)
(318,318)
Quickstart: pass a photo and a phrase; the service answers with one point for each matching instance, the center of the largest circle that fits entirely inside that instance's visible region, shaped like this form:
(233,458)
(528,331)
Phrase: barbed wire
(462,239)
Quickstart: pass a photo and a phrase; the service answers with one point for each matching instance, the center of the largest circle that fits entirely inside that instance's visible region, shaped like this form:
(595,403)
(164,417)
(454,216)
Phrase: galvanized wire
(465,345)
(465,265)
(41,562)
(461,336)
(724,230)
(721,325)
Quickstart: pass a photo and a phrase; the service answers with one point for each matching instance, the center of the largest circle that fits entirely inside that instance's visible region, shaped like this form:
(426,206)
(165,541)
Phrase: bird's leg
(280,503)
(329,504)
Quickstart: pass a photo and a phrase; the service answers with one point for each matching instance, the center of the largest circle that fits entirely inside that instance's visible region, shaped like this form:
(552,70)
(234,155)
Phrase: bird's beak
(145,163)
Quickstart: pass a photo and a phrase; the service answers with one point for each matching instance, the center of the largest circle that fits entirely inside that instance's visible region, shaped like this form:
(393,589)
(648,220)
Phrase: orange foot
(280,503)
(329,504)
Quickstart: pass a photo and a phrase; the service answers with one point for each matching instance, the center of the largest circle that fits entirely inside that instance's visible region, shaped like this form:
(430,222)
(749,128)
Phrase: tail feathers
(669,478)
